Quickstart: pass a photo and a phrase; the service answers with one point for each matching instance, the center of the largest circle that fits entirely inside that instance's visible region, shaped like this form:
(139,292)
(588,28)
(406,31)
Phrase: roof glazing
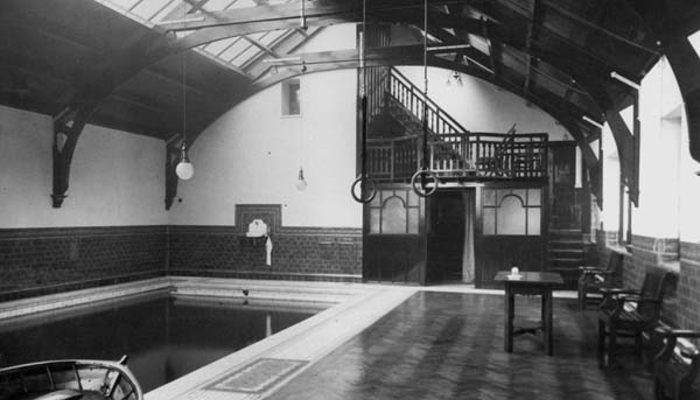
(237,52)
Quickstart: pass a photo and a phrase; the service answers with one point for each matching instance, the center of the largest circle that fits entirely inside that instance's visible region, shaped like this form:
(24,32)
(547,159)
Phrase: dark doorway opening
(446,233)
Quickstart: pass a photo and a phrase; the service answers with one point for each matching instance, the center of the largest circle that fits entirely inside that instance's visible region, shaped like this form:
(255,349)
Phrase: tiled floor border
(352,308)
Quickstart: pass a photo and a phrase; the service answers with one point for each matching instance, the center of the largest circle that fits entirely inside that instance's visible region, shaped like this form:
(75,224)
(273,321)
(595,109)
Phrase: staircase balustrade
(458,155)
(414,100)
(453,151)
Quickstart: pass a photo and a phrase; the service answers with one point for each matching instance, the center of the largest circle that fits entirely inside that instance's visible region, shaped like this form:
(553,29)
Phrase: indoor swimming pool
(165,336)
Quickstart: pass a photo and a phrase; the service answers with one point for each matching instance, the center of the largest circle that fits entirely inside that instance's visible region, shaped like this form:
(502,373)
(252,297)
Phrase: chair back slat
(615,262)
(652,293)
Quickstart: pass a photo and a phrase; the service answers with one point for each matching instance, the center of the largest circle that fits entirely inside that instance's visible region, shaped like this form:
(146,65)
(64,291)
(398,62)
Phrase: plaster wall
(252,155)
(658,212)
(117,178)
(482,107)
(611,181)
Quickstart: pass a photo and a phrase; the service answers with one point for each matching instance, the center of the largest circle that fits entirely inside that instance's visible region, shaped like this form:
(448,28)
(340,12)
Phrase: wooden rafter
(67,127)
(566,113)
(284,45)
(258,15)
(261,46)
(532,30)
(590,25)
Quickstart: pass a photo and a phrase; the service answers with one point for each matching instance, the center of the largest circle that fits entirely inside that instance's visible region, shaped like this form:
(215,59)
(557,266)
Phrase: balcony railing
(460,156)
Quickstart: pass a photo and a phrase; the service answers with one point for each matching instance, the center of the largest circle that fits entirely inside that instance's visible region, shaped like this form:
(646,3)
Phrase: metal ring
(427,174)
(363,180)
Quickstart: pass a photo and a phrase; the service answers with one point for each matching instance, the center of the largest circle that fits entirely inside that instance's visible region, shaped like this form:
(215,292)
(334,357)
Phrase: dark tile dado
(689,286)
(42,261)
(39,261)
(297,253)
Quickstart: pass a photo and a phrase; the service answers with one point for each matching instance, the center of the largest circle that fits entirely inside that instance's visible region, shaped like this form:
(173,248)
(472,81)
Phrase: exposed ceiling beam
(532,30)
(185,7)
(261,46)
(495,55)
(196,5)
(590,25)
(259,15)
(284,45)
(242,21)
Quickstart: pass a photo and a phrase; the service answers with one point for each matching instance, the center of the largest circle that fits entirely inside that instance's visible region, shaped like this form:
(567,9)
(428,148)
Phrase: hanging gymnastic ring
(424,173)
(363,180)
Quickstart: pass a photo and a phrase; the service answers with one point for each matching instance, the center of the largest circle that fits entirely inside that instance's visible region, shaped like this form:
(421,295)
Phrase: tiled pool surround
(307,292)
(269,364)
(348,309)
(345,309)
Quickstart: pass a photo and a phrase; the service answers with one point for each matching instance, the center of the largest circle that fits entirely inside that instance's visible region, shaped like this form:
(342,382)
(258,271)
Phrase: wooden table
(530,283)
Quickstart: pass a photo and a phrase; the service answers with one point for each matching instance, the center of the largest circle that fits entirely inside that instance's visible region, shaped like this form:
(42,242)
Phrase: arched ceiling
(140,63)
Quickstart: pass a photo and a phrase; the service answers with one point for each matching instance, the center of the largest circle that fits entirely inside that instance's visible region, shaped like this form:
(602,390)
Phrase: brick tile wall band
(304,253)
(49,260)
(39,261)
(682,304)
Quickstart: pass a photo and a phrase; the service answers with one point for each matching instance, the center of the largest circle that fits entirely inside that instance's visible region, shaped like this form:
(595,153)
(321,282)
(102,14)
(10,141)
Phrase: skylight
(238,52)
(694,40)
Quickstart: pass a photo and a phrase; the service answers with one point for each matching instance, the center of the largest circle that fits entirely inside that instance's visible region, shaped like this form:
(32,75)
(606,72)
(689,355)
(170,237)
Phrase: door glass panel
(534,197)
(394,216)
(374,218)
(413,220)
(511,217)
(534,216)
(489,197)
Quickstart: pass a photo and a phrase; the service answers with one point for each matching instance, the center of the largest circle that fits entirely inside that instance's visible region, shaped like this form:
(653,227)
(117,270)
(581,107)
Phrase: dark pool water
(165,338)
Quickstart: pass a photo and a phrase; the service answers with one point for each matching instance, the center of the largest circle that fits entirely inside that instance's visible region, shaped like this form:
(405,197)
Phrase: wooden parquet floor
(450,346)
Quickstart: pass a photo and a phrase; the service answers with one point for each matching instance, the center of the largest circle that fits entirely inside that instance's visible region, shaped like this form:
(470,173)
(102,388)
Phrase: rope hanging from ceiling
(424,182)
(364,184)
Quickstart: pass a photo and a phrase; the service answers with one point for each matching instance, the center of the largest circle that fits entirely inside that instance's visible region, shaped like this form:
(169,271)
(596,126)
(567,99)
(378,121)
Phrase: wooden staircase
(454,153)
(566,252)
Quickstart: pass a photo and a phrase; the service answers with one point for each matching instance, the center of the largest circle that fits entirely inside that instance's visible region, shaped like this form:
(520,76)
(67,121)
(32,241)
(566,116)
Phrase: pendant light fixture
(184,168)
(301,183)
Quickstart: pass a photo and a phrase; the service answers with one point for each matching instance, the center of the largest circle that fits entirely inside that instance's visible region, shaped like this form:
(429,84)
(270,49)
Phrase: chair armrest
(633,298)
(690,353)
(671,336)
(679,333)
(618,291)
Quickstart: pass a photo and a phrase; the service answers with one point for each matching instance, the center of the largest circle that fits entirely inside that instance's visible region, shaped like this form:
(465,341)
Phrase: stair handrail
(418,94)
(376,89)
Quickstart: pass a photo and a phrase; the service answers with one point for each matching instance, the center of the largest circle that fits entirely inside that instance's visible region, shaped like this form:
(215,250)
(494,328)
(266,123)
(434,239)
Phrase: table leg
(508,334)
(547,321)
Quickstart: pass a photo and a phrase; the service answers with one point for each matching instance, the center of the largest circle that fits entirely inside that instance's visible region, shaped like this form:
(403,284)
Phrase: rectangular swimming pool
(165,337)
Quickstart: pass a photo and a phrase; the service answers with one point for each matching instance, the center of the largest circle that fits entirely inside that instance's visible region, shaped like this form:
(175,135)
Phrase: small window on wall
(512,212)
(395,212)
(291,97)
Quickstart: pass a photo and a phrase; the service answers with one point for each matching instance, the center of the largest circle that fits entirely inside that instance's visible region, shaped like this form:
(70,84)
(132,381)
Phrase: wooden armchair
(593,279)
(676,366)
(629,313)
